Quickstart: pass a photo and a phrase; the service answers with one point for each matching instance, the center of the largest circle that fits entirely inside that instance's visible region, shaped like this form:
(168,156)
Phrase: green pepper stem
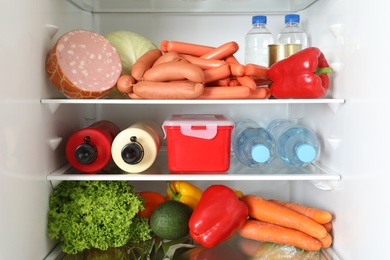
(326,70)
(174,196)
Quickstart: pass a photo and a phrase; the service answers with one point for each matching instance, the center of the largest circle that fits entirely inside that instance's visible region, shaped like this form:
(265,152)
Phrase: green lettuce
(95,214)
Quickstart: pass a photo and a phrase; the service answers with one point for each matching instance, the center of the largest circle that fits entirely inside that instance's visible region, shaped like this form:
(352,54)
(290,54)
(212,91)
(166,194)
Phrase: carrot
(264,210)
(326,241)
(174,70)
(222,92)
(237,70)
(125,84)
(267,232)
(168,56)
(168,90)
(217,73)
(185,48)
(247,82)
(144,63)
(203,63)
(328,226)
(256,70)
(318,215)
(260,93)
(222,51)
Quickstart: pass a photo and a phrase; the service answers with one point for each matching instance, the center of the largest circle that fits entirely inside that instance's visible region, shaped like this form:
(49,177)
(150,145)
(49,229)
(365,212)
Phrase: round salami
(83,65)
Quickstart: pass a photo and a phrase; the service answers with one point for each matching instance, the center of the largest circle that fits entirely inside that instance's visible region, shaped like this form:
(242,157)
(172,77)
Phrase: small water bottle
(292,33)
(253,145)
(257,41)
(296,145)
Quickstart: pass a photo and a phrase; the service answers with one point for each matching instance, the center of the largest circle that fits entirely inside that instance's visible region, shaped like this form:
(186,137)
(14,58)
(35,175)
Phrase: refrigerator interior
(37,119)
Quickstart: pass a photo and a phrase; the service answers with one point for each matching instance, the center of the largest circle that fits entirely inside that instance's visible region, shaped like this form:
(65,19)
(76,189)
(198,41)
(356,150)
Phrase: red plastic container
(198,142)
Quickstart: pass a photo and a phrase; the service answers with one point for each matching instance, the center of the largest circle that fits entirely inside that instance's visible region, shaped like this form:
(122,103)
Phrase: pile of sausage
(180,70)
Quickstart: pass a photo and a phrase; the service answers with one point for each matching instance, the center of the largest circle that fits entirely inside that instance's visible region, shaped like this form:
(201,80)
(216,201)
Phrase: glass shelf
(317,173)
(192,6)
(193,101)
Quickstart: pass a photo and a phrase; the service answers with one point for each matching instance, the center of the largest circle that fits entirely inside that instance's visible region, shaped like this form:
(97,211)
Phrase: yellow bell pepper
(238,193)
(184,192)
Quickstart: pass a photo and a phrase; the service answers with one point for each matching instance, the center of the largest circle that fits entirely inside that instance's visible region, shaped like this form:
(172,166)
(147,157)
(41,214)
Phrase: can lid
(291,18)
(306,153)
(260,153)
(259,19)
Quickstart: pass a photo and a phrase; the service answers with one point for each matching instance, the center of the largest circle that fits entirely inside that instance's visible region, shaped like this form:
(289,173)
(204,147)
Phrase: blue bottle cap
(260,153)
(306,153)
(259,19)
(291,18)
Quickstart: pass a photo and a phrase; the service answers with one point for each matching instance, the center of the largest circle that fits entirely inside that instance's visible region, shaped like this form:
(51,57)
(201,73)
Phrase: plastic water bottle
(292,33)
(257,41)
(296,145)
(253,145)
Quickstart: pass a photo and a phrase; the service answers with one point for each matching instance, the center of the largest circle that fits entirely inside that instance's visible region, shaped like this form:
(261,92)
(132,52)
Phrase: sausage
(185,48)
(168,90)
(221,82)
(222,51)
(174,70)
(132,95)
(256,70)
(237,69)
(168,56)
(83,65)
(144,63)
(260,93)
(220,92)
(234,82)
(203,63)
(247,82)
(217,73)
(260,81)
(125,84)
(231,59)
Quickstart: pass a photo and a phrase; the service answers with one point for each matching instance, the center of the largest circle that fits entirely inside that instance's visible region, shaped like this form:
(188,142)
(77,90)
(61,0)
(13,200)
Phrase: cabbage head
(130,47)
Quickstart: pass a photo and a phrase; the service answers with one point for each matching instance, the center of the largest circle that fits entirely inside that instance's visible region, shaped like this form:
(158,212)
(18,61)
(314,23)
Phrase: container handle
(205,133)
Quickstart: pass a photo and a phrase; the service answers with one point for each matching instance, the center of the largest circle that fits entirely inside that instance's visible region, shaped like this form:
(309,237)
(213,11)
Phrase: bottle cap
(259,19)
(260,153)
(291,18)
(132,153)
(306,153)
(85,153)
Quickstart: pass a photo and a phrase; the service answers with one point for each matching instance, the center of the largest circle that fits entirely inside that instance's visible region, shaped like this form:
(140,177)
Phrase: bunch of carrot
(286,223)
(180,70)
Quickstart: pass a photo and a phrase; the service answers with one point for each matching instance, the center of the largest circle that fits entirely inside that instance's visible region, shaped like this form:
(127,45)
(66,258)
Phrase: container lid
(203,126)
(306,153)
(260,153)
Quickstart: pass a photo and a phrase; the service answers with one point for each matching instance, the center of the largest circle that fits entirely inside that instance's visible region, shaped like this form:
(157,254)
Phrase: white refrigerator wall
(353,134)
(28,129)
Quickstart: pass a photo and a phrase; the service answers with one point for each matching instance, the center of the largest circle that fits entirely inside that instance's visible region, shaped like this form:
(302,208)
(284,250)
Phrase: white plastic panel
(193,6)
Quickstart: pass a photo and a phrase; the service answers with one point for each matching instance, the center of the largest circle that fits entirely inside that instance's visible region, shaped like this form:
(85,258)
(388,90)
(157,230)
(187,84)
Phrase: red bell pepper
(218,215)
(302,75)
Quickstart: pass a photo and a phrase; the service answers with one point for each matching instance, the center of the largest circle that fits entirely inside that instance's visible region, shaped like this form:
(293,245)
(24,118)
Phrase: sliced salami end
(83,65)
